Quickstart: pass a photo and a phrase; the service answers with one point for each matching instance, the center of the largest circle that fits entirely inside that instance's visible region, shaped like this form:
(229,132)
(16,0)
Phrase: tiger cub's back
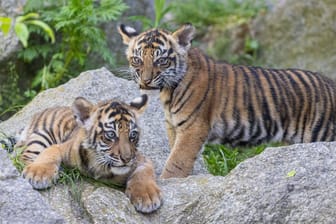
(258,105)
(51,126)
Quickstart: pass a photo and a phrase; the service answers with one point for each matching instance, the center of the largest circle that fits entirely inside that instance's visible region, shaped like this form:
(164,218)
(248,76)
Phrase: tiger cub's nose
(147,81)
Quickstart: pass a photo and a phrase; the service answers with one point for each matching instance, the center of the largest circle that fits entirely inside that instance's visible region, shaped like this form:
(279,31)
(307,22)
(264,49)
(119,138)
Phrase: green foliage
(5,24)
(21,28)
(10,93)
(79,38)
(15,158)
(217,21)
(213,12)
(160,10)
(72,178)
(221,159)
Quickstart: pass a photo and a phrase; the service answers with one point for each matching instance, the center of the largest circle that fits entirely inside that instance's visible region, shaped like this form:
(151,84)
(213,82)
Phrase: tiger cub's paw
(41,175)
(144,195)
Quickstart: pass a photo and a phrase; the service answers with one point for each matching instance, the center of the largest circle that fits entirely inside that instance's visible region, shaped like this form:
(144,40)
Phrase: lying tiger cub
(99,139)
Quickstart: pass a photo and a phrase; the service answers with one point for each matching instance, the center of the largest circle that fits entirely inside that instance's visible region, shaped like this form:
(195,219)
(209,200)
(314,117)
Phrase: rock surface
(19,203)
(294,184)
(299,34)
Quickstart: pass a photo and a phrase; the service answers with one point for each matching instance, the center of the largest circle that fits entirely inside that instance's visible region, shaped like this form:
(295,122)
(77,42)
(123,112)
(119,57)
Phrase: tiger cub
(100,140)
(205,100)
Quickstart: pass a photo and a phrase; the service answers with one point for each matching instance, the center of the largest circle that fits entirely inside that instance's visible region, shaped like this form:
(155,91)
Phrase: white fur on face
(122,170)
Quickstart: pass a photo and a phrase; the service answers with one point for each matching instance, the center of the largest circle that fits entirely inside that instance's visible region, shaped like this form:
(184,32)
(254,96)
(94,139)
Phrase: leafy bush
(79,44)
(215,12)
(79,38)
(217,21)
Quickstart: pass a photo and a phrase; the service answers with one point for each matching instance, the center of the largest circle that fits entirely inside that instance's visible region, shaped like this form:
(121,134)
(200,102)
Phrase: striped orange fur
(205,100)
(100,140)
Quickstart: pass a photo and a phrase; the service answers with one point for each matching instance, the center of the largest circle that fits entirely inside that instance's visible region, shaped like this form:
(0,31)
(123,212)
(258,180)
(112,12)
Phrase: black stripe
(186,100)
(62,123)
(37,142)
(52,125)
(237,139)
(170,51)
(289,101)
(47,128)
(45,137)
(197,108)
(34,152)
(163,37)
(330,113)
(322,116)
(309,101)
(296,87)
(269,122)
(283,105)
(83,154)
(235,113)
(179,96)
(177,166)
(248,100)
(266,119)
(112,114)
(226,100)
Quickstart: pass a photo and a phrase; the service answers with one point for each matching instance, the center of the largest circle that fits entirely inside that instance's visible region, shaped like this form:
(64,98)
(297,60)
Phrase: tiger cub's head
(112,131)
(157,58)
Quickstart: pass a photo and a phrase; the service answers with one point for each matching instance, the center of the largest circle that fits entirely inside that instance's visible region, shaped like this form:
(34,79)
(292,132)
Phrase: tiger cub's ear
(184,35)
(127,33)
(82,109)
(139,104)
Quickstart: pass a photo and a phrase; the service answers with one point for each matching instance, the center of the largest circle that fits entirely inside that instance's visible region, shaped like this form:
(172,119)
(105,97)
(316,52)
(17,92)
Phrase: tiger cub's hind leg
(43,171)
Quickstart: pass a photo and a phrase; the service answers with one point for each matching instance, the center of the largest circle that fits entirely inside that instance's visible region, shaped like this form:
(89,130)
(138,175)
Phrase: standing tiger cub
(232,104)
(100,140)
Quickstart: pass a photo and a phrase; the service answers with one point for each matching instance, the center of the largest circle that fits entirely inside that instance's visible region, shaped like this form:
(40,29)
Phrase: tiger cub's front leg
(171,134)
(43,171)
(142,188)
(188,143)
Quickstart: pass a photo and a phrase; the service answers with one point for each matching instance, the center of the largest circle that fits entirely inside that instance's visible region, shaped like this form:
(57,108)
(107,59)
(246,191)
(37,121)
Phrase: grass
(221,159)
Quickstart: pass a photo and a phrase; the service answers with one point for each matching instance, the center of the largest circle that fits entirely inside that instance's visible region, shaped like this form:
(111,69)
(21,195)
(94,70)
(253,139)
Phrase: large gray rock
(294,184)
(19,203)
(299,34)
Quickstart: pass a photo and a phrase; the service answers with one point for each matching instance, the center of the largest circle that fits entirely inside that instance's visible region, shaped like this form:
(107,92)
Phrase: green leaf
(291,173)
(159,11)
(5,24)
(28,16)
(46,28)
(22,33)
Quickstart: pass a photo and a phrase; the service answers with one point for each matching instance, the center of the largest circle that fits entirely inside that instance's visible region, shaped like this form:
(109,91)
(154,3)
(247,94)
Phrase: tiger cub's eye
(111,135)
(136,61)
(133,136)
(162,61)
